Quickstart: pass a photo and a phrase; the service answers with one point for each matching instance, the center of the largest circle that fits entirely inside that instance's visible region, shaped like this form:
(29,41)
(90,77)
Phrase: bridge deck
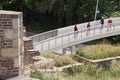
(70,39)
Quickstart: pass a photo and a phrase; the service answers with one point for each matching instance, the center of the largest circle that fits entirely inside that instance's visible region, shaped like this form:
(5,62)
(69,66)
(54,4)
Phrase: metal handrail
(83,30)
(69,34)
(42,33)
(83,25)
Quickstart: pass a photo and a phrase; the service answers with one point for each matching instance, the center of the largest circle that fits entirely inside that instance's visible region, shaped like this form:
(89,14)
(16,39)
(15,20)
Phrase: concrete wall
(11,43)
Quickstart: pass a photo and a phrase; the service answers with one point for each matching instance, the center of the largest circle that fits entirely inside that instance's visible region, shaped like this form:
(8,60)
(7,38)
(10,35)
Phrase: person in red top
(75,28)
(110,22)
(75,31)
(88,27)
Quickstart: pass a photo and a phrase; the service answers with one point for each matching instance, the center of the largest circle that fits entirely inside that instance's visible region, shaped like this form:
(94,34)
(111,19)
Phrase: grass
(99,51)
(93,72)
(60,60)
(84,72)
(35,73)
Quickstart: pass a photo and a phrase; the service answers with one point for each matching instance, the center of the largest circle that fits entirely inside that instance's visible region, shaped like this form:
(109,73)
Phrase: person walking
(88,27)
(75,31)
(102,22)
(109,23)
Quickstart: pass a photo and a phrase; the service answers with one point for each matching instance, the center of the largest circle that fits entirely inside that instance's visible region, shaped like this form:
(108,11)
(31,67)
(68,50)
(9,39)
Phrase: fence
(68,38)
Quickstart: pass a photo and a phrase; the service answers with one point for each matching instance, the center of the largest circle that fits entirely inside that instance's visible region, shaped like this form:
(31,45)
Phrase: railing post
(39,39)
(62,40)
(114,26)
(49,44)
(81,34)
(41,46)
(94,31)
(55,41)
(107,28)
(45,36)
(101,29)
(68,38)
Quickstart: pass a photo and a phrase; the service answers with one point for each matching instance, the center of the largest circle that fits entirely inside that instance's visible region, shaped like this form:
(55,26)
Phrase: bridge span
(65,38)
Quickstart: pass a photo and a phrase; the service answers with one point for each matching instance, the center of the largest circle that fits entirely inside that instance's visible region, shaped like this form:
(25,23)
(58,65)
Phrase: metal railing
(44,36)
(64,30)
(70,38)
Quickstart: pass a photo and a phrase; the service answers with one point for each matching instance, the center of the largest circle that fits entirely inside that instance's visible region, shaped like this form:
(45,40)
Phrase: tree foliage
(65,12)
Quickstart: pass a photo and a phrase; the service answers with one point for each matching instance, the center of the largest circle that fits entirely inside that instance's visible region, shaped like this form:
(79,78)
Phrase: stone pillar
(64,51)
(11,44)
(29,51)
(73,49)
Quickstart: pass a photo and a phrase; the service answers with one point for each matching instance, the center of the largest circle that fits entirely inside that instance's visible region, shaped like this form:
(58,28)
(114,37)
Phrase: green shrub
(53,78)
(58,63)
(93,72)
(60,60)
(72,70)
(99,51)
(91,69)
(115,68)
(80,52)
(37,74)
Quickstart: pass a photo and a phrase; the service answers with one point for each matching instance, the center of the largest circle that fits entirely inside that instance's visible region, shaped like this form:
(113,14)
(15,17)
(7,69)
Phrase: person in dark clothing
(102,22)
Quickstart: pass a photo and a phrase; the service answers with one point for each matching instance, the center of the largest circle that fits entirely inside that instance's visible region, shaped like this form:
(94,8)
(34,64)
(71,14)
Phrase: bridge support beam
(64,51)
(73,49)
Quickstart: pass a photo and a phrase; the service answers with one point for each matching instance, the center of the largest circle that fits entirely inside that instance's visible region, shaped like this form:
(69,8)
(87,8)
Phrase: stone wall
(29,51)
(7,67)
(28,44)
(11,43)
(100,62)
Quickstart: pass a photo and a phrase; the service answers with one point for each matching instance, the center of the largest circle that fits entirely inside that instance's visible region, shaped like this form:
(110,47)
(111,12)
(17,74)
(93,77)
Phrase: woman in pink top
(110,22)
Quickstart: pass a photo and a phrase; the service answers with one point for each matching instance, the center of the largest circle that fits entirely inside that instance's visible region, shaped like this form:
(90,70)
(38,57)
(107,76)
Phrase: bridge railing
(64,30)
(83,26)
(70,37)
(44,36)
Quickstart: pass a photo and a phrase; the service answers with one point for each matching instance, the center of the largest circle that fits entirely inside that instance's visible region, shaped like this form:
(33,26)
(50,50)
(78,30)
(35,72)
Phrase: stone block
(9,34)
(16,62)
(15,43)
(9,52)
(15,23)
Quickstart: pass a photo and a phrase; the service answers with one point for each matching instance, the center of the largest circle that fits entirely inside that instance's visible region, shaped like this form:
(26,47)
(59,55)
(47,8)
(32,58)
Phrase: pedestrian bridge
(64,37)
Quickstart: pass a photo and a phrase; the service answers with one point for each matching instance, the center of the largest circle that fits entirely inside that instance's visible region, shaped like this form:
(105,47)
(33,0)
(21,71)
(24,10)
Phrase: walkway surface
(67,40)
(65,37)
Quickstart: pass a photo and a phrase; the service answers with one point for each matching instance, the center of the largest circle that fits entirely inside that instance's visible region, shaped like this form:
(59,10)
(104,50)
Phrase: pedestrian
(75,31)
(102,22)
(109,23)
(88,27)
